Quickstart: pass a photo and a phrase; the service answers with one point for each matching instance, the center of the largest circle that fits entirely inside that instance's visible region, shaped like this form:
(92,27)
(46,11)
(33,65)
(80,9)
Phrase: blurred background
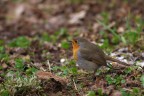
(89,18)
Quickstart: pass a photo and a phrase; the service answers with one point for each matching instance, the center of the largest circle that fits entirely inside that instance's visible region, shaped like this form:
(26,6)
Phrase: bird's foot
(94,78)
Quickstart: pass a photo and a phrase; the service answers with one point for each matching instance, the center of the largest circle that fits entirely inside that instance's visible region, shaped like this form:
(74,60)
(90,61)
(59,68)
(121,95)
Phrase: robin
(89,56)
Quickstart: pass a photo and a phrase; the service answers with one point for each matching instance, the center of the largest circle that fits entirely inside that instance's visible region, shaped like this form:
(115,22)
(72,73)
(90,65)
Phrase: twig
(75,84)
(127,89)
(48,63)
(40,68)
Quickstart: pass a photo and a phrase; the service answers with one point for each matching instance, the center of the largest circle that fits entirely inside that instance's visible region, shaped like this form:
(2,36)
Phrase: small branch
(49,65)
(75,84)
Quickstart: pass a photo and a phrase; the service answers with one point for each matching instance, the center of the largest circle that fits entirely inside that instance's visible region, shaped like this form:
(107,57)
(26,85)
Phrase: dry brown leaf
(4,66)
(49,75)
(116,93)
(75,17)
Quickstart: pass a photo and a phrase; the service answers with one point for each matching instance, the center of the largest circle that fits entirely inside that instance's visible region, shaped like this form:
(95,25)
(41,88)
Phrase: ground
(34,37)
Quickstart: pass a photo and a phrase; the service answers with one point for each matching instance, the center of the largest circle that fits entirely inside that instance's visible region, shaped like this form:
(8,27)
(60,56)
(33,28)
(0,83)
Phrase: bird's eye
(76,41)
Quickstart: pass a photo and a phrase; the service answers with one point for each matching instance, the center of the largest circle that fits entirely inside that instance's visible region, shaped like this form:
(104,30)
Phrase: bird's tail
(115,60)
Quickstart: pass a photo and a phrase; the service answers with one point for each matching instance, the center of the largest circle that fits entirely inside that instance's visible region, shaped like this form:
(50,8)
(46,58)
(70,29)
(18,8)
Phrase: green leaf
(110,79)
(22,42)
(74,70)
(136,90)
(65,70)
(131,37)
(118,79)
(65,45)
(105,17)
(54,38)
(123,40)
(115,40)
(30,71)
(1,49)
(4,57)
(142,80)
(105,44)
(4,93)
(128,70)
(19,64)
(61,32)
(55,68)
(72,62)
(100,92)
(46,37)
(1,42)
(123,81)
(91,93)
(125,93)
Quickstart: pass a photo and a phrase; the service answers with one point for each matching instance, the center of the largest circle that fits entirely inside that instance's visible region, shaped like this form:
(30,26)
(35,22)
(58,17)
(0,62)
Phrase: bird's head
(79,41)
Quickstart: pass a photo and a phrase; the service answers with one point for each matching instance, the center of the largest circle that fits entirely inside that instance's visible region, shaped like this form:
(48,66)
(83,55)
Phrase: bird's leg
(94,76)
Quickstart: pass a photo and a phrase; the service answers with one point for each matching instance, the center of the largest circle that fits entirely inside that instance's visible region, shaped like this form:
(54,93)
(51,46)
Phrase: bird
(89,56)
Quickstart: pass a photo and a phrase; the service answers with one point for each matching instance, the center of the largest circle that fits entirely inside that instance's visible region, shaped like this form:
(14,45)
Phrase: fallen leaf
(49,75)
(16,13)
(120,29)
(55,22)
(75,18)
(116,93)
(4,66)
(140,64)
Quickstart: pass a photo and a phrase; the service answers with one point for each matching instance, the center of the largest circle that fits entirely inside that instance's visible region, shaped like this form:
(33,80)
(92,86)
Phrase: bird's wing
(92,56)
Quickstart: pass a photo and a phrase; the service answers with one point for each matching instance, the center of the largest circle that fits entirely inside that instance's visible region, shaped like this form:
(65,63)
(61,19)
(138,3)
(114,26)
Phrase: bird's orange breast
(75,50)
